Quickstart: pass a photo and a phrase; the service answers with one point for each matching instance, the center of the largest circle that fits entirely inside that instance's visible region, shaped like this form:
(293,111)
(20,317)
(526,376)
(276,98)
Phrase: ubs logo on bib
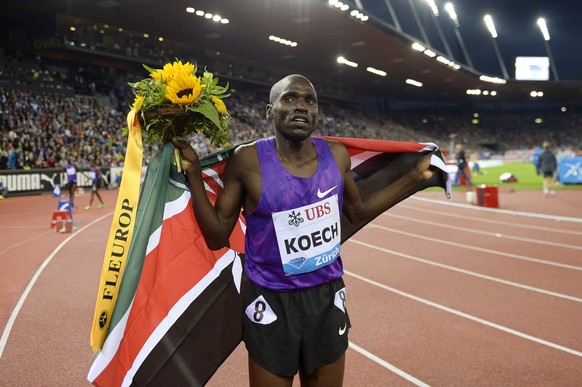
(318,211)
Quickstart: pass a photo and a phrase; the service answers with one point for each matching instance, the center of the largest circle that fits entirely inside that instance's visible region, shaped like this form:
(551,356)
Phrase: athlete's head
(293,106)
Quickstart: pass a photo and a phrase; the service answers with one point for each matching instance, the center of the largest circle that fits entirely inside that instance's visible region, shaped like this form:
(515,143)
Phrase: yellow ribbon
(120,234)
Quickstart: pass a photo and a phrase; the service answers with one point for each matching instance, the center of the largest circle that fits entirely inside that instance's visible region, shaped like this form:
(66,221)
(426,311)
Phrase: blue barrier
(65,205)
(570,170)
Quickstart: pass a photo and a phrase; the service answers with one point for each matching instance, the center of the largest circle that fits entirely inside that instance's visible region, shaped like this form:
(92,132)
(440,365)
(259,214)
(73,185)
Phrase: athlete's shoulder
(337,148)
(245,150)
(333,144)
(340,153)
(244,157)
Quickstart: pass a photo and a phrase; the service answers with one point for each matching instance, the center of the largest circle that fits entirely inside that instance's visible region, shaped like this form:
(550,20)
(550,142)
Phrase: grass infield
(527,179)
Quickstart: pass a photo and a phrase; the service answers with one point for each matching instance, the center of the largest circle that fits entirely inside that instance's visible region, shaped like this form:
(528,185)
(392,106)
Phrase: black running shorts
(288,331)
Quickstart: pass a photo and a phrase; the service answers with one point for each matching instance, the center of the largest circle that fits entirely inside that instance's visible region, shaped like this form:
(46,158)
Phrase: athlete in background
(71,170)
(96,181)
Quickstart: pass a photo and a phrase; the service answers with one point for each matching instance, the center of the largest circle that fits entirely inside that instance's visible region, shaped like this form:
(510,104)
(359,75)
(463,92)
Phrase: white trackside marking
(387,365)
(468,316)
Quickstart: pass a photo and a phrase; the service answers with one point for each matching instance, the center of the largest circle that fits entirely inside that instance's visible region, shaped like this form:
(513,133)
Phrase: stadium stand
(51,109)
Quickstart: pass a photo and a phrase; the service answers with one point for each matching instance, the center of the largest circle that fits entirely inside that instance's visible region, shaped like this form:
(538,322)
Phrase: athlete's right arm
(215,222)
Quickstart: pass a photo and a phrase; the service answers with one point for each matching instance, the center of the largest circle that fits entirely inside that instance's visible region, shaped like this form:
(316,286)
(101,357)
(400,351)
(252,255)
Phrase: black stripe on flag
(381,170)
(200,340)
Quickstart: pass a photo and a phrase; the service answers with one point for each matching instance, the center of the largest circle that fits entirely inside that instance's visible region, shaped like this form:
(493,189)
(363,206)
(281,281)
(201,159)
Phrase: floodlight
(546,35)
(433,7)
(452,14)
(414,82)
(376,71)
(418,47)
(490,25)
(343,60)
(544,28)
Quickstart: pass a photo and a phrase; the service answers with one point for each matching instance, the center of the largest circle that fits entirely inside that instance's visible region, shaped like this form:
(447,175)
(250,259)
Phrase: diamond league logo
(573,169)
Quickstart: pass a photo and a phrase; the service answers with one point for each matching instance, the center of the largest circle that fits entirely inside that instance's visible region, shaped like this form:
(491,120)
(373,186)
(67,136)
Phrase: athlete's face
(293,108)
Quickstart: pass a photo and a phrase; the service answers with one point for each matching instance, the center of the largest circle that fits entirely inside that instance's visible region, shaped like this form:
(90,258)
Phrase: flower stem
(177,159)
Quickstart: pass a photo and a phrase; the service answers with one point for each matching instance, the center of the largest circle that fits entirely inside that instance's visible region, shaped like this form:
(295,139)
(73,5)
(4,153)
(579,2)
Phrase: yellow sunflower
(172,70)
(138,102)
(219,105)
(183,89)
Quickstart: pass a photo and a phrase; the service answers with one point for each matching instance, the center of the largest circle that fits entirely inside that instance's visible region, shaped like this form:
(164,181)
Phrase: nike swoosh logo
(323,194)
(341,331)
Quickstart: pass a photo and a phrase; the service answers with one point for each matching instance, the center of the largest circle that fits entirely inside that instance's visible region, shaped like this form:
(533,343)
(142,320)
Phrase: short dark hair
(278,86)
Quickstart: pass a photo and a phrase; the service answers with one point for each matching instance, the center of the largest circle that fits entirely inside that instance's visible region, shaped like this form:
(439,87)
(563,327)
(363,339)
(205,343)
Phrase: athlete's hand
(190,159)
(424,167)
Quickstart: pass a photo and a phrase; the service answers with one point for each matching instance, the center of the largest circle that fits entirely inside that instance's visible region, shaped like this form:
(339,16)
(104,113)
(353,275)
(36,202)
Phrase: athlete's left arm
(358,209)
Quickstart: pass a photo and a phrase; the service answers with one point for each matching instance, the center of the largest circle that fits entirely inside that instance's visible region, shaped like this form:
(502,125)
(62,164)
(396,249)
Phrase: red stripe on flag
(358,145)
(210,180)
(168,273)
(173,268)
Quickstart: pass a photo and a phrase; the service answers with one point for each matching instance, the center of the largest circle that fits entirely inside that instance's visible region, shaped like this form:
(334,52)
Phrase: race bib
(308,237)
(260,312)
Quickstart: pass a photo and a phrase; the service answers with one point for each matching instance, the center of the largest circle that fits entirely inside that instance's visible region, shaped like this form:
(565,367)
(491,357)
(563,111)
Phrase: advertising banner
(570,170)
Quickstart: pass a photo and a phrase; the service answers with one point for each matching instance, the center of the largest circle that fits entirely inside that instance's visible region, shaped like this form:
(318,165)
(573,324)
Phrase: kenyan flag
(175,292)
(179,308)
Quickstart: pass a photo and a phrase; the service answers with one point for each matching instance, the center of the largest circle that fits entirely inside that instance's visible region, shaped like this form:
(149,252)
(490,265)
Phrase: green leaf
(148,68)
(207,109)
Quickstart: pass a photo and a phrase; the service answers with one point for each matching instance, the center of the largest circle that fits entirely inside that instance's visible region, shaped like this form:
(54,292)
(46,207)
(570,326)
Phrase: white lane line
(468,316)
(483,250)
(24,295)
(487,233)
(500,211)
(26,241)
(471,273)
(387,365)
(496,222)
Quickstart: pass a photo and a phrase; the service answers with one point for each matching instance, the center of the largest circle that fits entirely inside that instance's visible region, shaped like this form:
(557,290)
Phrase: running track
(439,294)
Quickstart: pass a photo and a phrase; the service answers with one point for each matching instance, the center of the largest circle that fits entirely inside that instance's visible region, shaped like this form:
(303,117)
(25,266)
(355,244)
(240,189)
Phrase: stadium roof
(323,33)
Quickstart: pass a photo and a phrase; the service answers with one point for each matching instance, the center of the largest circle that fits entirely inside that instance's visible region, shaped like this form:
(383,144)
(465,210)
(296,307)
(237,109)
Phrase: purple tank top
(295,227)
(71,173)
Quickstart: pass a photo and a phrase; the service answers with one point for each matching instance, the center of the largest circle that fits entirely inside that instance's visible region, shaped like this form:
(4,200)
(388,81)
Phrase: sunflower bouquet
(173,101)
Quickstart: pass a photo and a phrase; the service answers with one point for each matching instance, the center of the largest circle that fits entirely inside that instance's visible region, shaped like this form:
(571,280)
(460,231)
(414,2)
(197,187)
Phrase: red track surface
(440,294)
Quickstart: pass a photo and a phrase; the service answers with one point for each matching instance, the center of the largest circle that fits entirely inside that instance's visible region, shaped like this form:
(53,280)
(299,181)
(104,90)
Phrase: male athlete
(293,189)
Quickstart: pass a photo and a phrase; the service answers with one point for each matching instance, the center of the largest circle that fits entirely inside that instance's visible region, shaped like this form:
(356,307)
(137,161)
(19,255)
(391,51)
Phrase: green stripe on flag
(150,213)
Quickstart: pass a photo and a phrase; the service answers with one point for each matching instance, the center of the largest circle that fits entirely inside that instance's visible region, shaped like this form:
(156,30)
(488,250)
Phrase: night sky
(515,21)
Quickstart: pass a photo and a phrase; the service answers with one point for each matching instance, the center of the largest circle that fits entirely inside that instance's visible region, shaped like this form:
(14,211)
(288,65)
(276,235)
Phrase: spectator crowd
(41,128)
